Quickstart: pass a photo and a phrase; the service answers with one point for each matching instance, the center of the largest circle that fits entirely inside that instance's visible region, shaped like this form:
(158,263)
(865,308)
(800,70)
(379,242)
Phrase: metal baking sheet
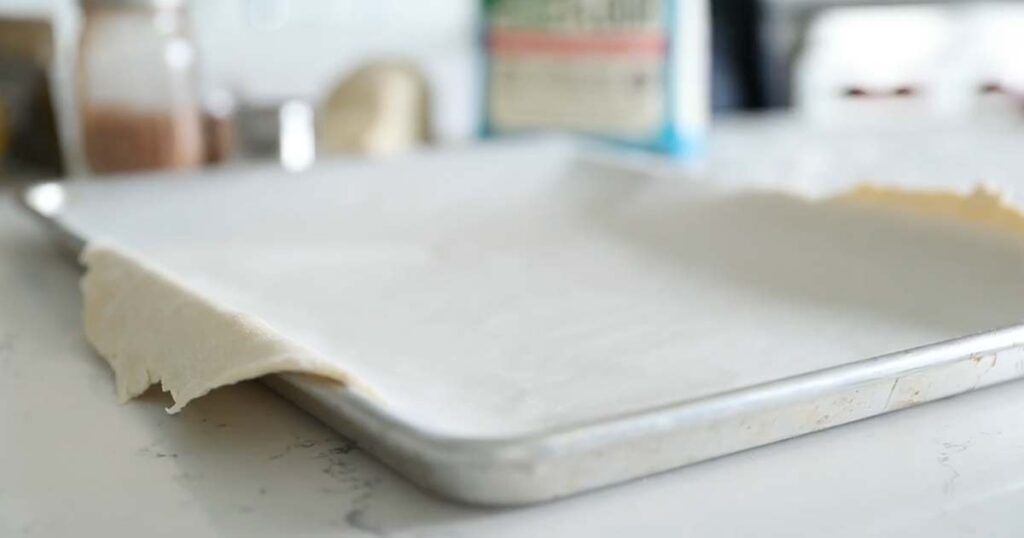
(784,318)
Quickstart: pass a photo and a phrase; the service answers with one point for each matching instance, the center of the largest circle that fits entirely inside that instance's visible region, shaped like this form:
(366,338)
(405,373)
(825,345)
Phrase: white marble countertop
(244,462)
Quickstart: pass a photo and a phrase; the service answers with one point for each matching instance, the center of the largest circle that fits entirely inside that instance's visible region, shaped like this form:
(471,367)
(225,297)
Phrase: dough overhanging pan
(525,323)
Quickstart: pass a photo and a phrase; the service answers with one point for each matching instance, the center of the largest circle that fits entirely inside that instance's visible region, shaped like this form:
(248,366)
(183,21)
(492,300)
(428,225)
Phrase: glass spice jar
(137,91)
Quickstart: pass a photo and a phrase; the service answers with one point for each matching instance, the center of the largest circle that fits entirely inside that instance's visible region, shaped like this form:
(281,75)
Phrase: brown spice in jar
(122,140)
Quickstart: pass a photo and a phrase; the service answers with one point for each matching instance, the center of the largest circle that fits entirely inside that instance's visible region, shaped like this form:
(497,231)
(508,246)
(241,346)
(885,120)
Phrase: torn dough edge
(152,328)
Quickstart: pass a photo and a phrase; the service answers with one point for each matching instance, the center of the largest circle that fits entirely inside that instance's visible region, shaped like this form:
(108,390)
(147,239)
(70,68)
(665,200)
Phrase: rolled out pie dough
(153,328)
(984,206)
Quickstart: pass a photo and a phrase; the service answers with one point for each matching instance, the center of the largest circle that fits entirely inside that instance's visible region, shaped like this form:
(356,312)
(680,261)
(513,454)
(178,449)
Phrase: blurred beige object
(382,108)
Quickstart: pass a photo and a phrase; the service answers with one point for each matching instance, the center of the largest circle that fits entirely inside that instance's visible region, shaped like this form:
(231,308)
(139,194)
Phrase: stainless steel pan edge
(551,464)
